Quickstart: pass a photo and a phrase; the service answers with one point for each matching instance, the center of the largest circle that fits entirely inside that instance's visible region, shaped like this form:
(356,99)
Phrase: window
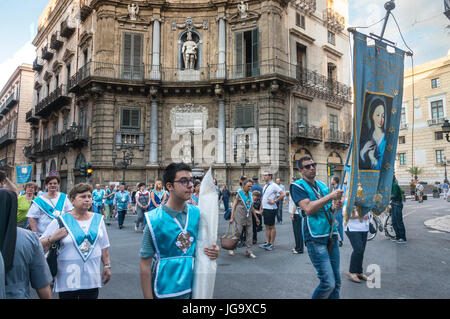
(68,73)
(66,121)
(438,135)
(131,119)
(403,118)
(435,83)
(334,123)
(56,81)
(247,53)
(440,156)
(401,140)
(437,110)
(303,116)
(300,20)
(331,38)
(244,117)
(402,158)
(132,56)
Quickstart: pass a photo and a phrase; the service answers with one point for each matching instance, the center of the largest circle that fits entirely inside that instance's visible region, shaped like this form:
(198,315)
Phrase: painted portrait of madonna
(377,109)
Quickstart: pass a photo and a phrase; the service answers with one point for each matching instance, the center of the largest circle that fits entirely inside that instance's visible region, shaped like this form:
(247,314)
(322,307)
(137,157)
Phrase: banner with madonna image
(378,90)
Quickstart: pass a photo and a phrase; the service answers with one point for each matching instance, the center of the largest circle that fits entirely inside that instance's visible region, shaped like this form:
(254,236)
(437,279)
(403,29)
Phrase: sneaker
(395,239)
(263,246)
(340,243)
(250,255)
(401,241)
(231,252)
(135,228)
(269,247)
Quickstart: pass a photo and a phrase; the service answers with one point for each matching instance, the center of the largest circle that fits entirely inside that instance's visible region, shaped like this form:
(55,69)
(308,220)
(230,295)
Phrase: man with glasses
(272,194)
(170,238)
(314,199)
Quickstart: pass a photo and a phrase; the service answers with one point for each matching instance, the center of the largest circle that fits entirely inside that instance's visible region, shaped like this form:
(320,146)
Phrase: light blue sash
(52,212)
(79,237)
(248,201)
(159,194)
(195,198)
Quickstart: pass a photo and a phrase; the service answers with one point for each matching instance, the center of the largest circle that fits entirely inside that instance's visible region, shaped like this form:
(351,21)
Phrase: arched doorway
(301,152)
(334,160)
(63,174)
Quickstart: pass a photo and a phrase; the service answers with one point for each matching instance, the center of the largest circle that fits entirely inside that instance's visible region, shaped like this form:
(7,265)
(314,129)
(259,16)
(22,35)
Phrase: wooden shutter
(255,52)
(239,54)
(135,114)
(137,57)
(127,39)
(244,116)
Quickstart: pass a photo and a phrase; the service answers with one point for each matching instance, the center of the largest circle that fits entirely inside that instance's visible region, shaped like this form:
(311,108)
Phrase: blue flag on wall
(23,173)
(378,90)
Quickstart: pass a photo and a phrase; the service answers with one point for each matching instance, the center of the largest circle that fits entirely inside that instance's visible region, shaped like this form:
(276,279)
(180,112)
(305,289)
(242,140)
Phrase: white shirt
(270,192)
(43,220)
(356,225)
(73,273)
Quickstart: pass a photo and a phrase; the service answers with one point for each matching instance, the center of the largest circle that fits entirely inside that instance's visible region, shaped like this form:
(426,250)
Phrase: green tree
(415,171)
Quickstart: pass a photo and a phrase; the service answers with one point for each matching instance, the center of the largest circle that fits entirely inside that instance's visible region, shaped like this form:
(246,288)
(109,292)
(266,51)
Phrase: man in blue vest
(170,239)
(314,200)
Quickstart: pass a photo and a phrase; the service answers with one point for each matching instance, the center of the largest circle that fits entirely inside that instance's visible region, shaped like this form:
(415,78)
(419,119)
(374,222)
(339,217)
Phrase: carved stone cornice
(68,55)
(302,35)
(332,51)
(85,37)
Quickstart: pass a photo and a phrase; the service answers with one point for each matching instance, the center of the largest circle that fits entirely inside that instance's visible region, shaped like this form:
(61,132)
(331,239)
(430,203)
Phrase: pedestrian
(24,264)
(225,196)
(257,217)
(313,198)
(412,190)
(195,196)
(170,238)
(270,209)
(6,183)
(157,195)
(296,218)
(396,213)
(98,195)
(142,205)
(242,213)
(256,186)
(24,203)
(339,218)
(109,203)
(356,230)
(419,191)
(280,203)
(48,206)
(122,202)
(218,192)
(445,189)
(84,243)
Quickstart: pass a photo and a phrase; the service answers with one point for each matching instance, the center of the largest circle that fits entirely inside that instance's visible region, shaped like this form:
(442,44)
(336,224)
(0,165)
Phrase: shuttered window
(133,68)
(131,119)
(247,53)
(244,117)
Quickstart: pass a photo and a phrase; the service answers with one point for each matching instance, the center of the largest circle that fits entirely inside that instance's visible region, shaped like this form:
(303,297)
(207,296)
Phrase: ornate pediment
(189,117)
(68,55)
(85,37)
(244,16)
(47,75)
(56,66)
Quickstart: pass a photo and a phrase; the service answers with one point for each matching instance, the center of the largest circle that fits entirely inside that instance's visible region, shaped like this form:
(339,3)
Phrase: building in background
(428,111)
(16,99)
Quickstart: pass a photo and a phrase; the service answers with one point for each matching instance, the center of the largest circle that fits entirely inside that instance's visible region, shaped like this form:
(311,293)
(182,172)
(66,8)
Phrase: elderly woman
(24,203)
(84,243)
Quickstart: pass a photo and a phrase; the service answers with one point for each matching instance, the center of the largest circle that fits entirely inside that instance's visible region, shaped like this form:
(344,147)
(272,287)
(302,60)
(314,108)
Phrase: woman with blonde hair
(24,203)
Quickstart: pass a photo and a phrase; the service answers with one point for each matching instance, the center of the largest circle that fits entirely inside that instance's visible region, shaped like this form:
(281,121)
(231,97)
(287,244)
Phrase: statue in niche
(243,8)
(189,52)
(133,10)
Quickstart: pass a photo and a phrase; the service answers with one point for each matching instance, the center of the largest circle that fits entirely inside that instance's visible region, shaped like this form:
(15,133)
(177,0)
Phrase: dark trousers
(298,233)
(226,203)
(358,241)
(280,211)
(121,214)
(80,294)
(397,220)
(255,227)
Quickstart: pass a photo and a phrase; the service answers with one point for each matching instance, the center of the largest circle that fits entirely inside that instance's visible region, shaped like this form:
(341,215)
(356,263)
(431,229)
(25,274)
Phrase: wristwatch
(107,266)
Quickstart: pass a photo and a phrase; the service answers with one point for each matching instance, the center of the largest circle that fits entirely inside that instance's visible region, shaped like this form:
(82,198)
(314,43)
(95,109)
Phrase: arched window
(81,160)
(52,166)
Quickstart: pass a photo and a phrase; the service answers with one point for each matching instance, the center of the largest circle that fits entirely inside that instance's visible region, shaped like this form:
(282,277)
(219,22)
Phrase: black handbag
(52,257)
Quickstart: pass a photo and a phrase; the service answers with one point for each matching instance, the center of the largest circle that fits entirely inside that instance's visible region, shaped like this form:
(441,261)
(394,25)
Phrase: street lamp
(446,130)
(445,169)
(127,159)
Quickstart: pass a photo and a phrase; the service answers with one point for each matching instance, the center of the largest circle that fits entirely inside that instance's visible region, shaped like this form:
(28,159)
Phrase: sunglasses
(310,165)
(185,181)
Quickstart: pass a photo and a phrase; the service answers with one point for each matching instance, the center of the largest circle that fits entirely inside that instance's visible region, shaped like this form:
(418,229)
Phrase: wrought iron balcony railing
(67,29)
(438,121)
(59,97)
(307,132)
(47,54)
(337,137)
(37,66)
(129,139)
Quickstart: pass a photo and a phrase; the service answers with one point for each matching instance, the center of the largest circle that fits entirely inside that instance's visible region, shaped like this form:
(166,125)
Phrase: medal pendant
(184,241)
(85,246)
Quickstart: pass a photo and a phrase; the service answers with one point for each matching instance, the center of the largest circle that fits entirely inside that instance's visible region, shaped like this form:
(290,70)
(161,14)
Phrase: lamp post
(446,130)
(127,159)
(445,169)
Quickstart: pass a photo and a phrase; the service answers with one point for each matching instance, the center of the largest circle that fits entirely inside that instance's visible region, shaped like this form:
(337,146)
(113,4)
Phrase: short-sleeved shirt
(23,205)
(29,267)
(270,192)
(98,196)
(109,200)
(43,219)
(73,273)
(122,200)
(396,193)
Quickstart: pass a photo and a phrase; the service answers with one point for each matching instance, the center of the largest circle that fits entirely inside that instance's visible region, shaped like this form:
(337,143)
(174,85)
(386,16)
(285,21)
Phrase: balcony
(85,10)
(307,134)
(46,54)
(9,103)
(7,163)
(36,66)
(75,136)
(7,136)
(31,118)
(337,139)
(67,29)
(58,98)
(129,139)
(438,121)
(28,151)
(333,20)
(55,43)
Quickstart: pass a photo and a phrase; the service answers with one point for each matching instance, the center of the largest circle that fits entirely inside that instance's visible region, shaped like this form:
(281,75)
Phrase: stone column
(153,155)
(155,73)
(222,49)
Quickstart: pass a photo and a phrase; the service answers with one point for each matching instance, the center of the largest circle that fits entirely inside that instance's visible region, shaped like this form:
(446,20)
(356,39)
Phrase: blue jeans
(358,241)
(397,220)
(340,227)
(280,211)
(327,267)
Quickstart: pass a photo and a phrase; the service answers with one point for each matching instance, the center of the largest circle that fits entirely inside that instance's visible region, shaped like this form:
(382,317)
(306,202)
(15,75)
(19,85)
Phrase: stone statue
(189,52)
(243,8)
(133,10)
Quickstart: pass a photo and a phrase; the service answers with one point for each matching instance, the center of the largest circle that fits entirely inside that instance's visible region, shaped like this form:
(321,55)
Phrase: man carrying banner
(313,197)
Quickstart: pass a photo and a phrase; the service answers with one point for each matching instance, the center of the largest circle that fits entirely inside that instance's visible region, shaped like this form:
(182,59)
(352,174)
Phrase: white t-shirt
(270,192)
(73,273)
(43,219)
(356,225)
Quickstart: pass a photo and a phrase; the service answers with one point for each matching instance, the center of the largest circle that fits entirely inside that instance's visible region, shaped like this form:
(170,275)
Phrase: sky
(425,28)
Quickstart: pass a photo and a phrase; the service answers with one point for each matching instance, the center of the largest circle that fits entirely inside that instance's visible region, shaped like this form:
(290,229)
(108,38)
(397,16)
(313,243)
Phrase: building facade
(207,83)
(422,117)
(15,100)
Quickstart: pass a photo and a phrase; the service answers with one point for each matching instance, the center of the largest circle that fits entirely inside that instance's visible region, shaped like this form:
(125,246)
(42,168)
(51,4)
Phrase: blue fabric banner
(23,173)
(378,90)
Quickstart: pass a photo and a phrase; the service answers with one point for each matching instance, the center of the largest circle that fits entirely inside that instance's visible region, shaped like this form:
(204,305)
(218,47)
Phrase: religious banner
(378,90)
(23,173)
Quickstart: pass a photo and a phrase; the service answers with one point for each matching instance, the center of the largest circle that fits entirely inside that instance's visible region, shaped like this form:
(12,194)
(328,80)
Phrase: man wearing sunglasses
(314,199)
(170,238)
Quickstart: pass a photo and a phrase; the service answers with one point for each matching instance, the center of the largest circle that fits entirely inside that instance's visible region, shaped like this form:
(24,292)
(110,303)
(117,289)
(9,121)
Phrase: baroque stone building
(15,100)
(205,82)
